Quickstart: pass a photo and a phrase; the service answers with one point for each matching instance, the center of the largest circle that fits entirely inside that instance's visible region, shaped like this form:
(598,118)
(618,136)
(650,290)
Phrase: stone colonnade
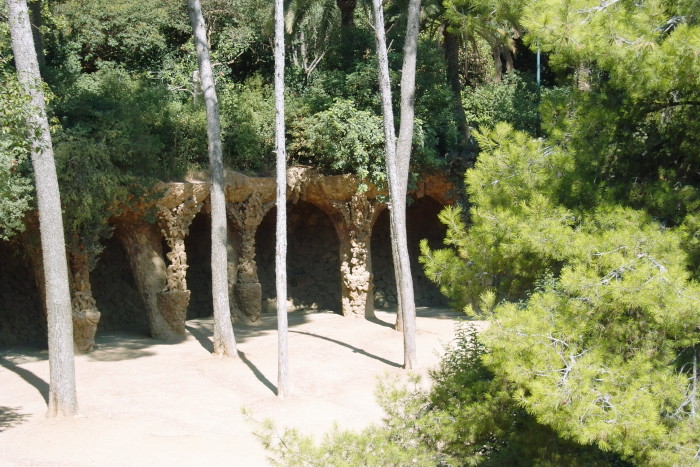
(163,288)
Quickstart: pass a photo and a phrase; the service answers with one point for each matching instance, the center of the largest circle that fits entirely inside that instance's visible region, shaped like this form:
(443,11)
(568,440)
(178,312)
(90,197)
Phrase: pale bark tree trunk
(63,399)
(281,246)
(224,340)
(398,156)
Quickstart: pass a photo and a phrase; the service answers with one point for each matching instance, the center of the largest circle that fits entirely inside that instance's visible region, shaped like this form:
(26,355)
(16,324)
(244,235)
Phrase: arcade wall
(152,277)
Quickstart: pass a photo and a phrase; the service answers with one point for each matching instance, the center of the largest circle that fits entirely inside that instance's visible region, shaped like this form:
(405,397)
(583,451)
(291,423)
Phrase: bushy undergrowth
(467,417)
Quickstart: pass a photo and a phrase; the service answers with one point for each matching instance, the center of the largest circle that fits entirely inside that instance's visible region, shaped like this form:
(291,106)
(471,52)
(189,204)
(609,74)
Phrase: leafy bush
(468,417)
(136,35)
(247,125)
(513,100)
(129,116)
(341,139)
(15,182)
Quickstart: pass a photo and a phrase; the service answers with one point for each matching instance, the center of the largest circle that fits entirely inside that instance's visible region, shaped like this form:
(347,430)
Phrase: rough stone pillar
(353,223)
(232,253)
(85,312)
(173,301)
(246,217)
(143,246)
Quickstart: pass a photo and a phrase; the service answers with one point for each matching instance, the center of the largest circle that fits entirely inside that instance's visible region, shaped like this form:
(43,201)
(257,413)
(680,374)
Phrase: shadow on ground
(11,416)
(35,381)
(118,346)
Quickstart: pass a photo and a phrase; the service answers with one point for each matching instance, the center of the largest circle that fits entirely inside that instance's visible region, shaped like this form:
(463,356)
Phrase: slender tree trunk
(451,44)
(281,246)
(497,62)
(63,399)
(348,32)
(224,340)
(397,164)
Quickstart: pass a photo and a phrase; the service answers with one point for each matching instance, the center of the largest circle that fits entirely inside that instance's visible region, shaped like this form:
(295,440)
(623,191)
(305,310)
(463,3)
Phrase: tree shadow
(258,374)
(203,328)
(381,322)
(38,383)
(351,347)
(11,416)
(201,333)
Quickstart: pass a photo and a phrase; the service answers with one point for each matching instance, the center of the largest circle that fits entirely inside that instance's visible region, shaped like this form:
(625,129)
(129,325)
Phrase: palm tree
(462,23)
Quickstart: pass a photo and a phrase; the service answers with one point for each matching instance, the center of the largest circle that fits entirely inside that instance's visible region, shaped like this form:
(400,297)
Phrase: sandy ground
(147,403)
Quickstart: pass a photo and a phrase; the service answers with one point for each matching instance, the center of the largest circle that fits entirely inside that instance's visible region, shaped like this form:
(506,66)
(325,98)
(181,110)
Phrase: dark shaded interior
(421,222)
(198,247)
(114,290)
(22,319)
(313,270)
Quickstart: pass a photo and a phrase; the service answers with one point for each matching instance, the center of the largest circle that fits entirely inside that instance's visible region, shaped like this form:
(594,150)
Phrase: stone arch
(421,222)
(22,319)
(313,272)
(113,286)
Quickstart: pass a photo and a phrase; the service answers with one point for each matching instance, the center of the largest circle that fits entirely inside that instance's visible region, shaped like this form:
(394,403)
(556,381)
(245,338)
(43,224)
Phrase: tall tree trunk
(451,44)
(63,399)
(281,246)
(224,340)
(348,33)
(497,63)
(398,156)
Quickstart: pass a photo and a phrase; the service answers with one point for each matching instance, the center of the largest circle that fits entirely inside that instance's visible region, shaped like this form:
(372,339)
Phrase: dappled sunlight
(11,416)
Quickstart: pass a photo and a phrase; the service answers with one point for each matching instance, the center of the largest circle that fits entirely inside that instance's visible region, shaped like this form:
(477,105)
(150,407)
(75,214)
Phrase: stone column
(144,249)
(353,221)
(173,301)
(246,217)
(85,312)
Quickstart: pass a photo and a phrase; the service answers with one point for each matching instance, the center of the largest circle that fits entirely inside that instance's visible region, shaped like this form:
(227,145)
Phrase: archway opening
(114,289)
(198,248)
(313,271)
(421,222)
(22,319)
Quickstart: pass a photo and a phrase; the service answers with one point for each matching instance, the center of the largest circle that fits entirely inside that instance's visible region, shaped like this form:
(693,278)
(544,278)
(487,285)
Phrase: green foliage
(394,443)
(15,182)
(517,229)
(438,130)
(600,305)
(116,139)
(247,125)
(126,117)
(592,354)
(137,35)
(334,117)
(513,100)
(473,418)
(467,417)
(341,139)
(635,126)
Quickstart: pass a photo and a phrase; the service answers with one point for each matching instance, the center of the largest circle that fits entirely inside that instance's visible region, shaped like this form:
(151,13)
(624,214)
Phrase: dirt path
(145,403)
